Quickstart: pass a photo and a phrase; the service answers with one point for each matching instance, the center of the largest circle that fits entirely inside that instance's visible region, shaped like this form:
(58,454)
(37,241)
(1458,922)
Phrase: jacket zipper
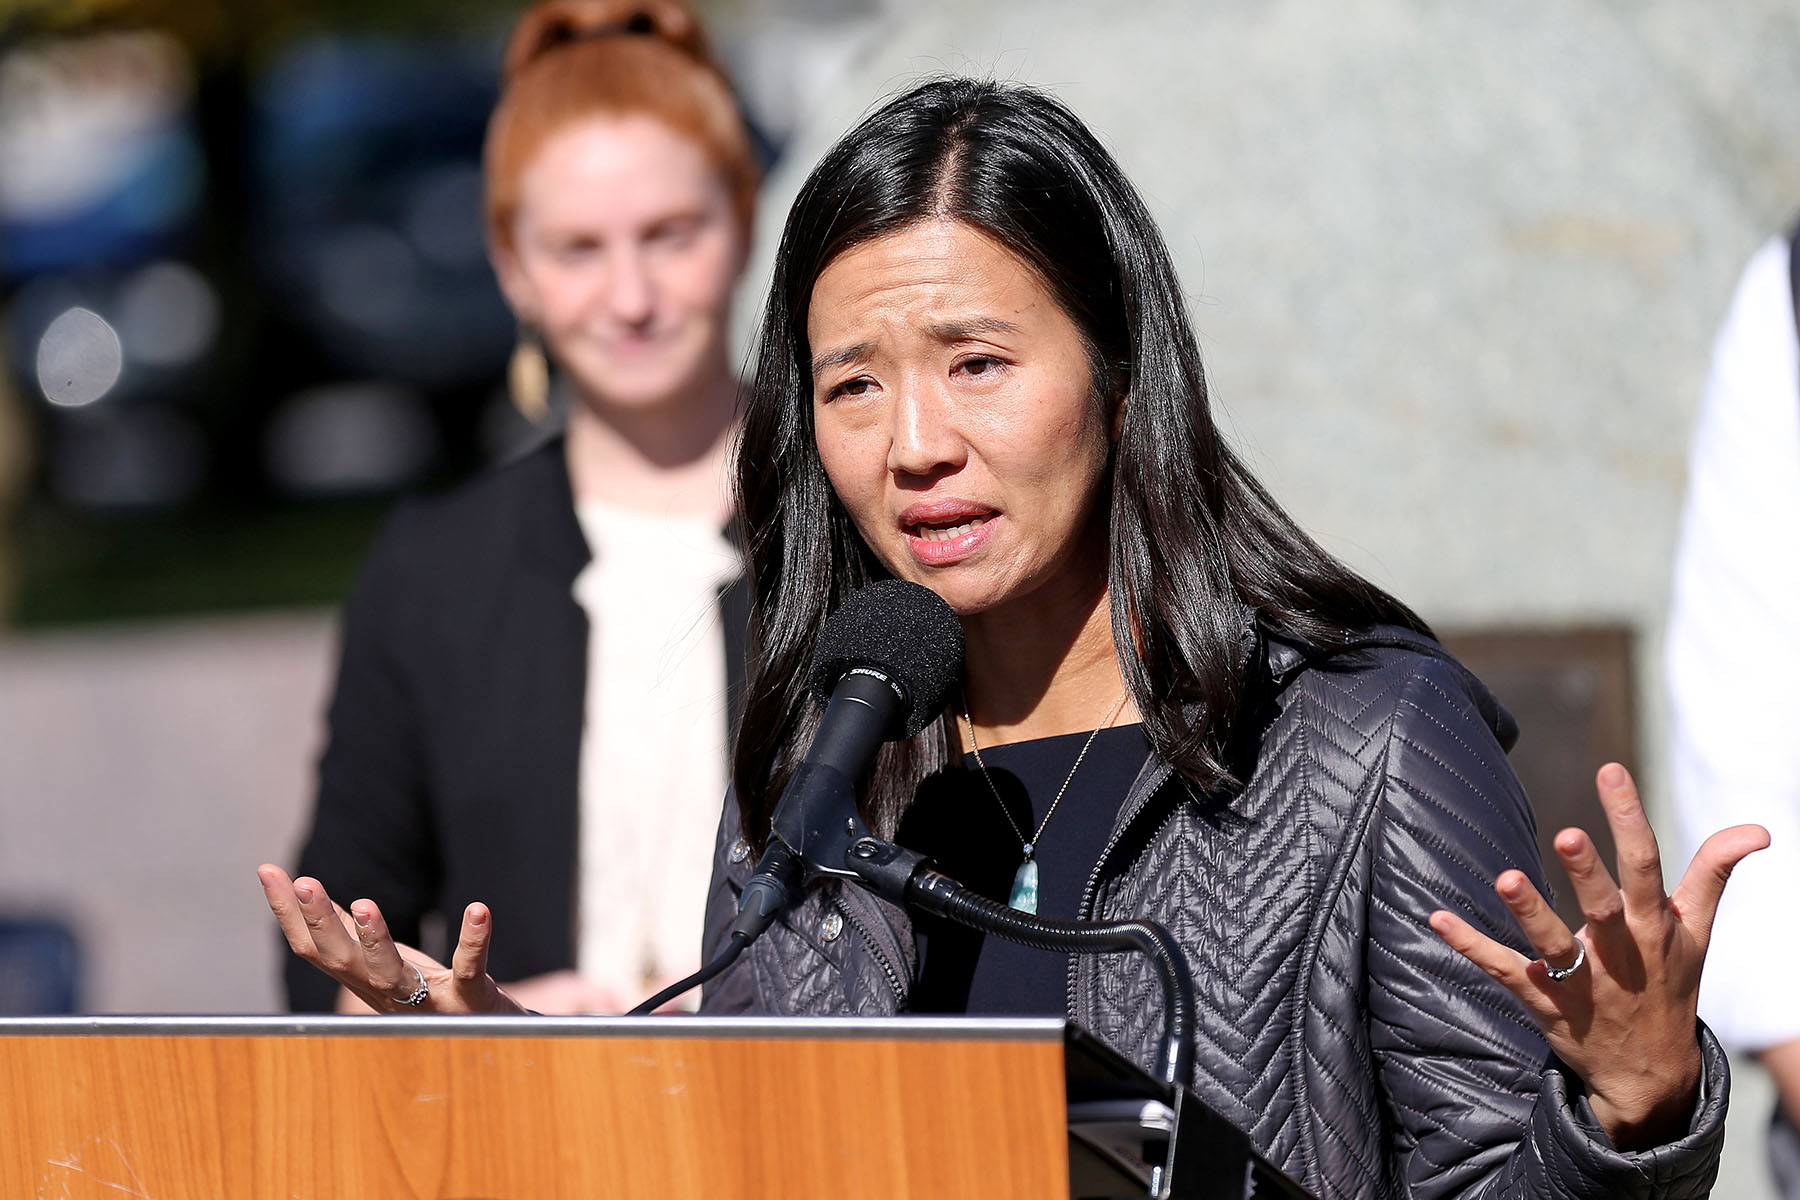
(875,951)
(1258,653)
(1084,911)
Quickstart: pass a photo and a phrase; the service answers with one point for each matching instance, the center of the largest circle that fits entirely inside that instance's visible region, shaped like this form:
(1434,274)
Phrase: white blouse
(653,743)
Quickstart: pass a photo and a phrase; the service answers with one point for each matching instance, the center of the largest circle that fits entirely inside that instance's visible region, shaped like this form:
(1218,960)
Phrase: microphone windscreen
(904,630)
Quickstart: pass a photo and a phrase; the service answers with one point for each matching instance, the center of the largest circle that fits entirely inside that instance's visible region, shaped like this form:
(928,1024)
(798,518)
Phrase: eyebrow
(822,363)
(957,331)
(943,331)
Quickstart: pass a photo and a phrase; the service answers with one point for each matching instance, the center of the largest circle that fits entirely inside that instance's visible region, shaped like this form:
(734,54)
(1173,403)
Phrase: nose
(924,441)
(630,293)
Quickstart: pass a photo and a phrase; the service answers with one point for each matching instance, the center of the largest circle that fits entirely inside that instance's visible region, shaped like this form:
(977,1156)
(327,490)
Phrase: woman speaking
(976,374)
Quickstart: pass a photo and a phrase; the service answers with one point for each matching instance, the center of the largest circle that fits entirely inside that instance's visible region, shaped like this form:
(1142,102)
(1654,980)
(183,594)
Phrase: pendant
(1024,895)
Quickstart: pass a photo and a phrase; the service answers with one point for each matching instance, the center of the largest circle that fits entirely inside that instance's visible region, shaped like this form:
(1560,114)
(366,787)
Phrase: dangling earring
(528,376)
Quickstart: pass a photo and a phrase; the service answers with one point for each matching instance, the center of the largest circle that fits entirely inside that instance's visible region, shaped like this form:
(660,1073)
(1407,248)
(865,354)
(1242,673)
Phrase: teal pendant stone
(1024,889)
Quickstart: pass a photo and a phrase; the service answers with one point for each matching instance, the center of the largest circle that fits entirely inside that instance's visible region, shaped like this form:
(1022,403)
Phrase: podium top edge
(977,1029)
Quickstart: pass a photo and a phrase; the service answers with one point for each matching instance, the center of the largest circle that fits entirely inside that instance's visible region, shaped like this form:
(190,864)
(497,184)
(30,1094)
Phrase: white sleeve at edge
(1734,654)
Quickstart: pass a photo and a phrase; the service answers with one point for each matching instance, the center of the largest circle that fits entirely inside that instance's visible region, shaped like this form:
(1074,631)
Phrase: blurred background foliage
(244,300)
(247,235)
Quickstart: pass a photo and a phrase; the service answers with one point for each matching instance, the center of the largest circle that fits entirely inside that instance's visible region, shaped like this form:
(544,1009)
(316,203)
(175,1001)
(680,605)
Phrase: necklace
(1024,895)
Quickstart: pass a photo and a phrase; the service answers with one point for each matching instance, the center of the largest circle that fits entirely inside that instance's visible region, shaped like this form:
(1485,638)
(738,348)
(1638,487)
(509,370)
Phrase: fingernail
(1612,775)
(304,891)
(362,918)
(478,918)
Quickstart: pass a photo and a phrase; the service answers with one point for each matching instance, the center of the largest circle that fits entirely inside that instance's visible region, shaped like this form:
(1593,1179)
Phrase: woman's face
(955,418)
(624,252)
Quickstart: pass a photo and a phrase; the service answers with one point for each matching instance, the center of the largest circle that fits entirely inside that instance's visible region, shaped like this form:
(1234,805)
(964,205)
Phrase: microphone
(886,663)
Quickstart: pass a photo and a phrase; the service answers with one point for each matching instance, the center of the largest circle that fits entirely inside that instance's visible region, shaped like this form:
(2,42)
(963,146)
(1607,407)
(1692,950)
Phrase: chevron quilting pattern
(1360,1053)
(790,963)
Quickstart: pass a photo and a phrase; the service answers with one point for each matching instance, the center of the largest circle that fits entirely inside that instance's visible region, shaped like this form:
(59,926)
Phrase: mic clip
(822,829)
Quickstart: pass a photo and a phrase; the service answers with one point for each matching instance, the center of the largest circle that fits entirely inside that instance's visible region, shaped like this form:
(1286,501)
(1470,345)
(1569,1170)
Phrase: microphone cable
(764,895)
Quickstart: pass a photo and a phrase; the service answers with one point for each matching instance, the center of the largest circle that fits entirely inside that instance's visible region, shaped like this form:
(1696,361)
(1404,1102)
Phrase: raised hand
(1624,1018)
(355,948)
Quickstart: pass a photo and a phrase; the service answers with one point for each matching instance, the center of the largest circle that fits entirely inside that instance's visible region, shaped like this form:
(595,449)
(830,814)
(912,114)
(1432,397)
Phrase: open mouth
(941,533)
(945,533)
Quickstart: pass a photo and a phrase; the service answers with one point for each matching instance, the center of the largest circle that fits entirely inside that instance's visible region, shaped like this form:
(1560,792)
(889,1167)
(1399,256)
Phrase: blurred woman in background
(532,704)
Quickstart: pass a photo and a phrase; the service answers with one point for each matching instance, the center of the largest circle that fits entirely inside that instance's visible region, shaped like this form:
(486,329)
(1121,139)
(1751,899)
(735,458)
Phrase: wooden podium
(532,1108)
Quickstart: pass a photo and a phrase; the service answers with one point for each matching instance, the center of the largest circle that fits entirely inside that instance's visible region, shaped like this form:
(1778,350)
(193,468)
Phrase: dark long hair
(1197,545)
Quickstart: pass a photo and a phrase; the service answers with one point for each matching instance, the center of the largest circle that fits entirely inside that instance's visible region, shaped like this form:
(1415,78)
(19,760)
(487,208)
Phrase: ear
(1118,417)
(515,284)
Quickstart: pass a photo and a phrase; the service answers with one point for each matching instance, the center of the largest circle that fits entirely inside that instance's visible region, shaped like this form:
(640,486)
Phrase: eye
(979,365)
(675,233)
(851,388)
(575,249)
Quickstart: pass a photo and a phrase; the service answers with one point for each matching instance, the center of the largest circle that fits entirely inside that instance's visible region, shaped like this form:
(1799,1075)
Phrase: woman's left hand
(1625,1020)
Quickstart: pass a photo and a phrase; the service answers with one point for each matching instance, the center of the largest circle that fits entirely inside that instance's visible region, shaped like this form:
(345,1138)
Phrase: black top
(956,820)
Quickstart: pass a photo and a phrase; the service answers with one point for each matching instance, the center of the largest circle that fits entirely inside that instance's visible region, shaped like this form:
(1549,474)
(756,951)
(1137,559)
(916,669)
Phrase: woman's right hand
(356,949)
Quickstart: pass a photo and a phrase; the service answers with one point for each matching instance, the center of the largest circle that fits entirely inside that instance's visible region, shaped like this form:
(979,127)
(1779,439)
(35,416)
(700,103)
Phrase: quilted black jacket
(1361,1054)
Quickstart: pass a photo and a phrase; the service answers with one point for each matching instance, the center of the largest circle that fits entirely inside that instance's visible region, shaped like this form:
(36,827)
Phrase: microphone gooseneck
(909,878)
(937,893)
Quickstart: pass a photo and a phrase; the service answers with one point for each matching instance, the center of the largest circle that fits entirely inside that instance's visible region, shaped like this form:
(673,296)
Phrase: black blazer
(452,766)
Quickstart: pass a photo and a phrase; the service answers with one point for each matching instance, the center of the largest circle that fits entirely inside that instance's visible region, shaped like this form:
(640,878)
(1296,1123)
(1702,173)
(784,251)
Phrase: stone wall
(1455,269)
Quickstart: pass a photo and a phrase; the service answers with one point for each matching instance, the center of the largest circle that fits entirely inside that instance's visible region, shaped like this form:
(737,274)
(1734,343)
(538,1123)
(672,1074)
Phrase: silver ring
(1556,973)
(419,993)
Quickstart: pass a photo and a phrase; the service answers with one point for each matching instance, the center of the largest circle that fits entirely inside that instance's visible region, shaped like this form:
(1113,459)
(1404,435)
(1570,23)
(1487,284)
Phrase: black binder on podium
(1119,1125)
